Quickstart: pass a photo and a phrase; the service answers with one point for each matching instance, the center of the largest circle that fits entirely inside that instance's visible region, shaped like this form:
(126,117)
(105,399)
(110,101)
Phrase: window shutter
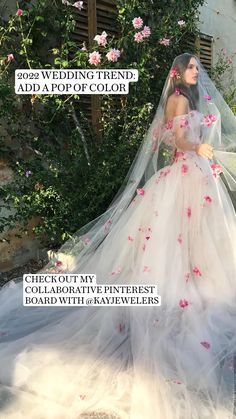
(95,17)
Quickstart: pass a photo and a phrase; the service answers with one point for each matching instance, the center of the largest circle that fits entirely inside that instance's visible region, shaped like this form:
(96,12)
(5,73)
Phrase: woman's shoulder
(176,105)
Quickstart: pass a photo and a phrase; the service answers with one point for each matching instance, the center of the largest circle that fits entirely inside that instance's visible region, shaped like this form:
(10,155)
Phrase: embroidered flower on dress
(187,276)
(208,199)
(131,238)
(117,271)
(183,303)
(197,271)
(58,263)
(209,119)
(82,396)
(184,168)
(216,169)
(205,344)
(107,224)
(177,91)
(179,239)
(121,327)
(140,191)
(207,97)
(189,212)
(169,124)
(184,123)
(146,269)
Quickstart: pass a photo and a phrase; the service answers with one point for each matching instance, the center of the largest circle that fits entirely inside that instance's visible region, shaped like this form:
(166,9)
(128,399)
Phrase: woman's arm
(203,150)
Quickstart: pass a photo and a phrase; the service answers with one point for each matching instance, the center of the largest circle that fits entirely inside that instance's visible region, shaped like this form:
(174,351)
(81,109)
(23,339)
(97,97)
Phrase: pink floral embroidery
(107,224)
(187,276)
(82,396)
(154,146)
(183,303)
(209,119)
(169,124)
(216,169)
(117,271)
(179,239)
(208,198)
(131,238)
(180,154)
(197,271)
(87,240)
(184,168)
(141,191)
(121,327)
(177,382)
(205,344)
(207,97)
(173,72)
(147,237)
(58,263)
(189,212)
(184,123)
(146,269)
(177,91)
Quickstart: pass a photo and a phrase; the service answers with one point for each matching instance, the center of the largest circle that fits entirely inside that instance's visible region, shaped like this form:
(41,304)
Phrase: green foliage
(63,173)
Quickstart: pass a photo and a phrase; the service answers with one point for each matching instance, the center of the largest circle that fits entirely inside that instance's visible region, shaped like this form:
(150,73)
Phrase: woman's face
(191,73)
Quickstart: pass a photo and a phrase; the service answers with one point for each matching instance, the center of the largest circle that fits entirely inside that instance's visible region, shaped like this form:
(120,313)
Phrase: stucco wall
(218,19)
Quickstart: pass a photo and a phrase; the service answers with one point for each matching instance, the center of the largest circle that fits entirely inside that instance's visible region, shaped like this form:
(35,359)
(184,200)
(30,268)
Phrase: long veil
(139,362)
(218,129)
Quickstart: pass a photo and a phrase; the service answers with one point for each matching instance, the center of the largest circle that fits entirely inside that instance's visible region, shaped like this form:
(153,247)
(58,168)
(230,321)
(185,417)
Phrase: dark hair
(190,92)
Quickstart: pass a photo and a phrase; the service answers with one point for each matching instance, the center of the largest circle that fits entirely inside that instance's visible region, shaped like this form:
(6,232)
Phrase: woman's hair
(191,92)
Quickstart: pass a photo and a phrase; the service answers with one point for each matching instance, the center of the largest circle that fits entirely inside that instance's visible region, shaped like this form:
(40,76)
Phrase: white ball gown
(173,361)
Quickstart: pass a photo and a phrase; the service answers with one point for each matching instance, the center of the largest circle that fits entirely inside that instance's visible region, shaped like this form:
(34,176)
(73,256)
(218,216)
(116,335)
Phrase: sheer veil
(218,129)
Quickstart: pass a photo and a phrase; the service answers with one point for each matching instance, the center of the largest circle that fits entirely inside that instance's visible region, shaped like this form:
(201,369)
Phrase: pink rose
(19,12)
(94,58)
(78,5)
(146,32)
(164,41)
(101,39)
(137,22)
(138,37)
(113,55)
(10,57)
(173,72)
(177,91)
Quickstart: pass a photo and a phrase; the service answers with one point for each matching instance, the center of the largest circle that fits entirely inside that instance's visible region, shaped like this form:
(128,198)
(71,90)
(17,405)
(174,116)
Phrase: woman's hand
(205,150)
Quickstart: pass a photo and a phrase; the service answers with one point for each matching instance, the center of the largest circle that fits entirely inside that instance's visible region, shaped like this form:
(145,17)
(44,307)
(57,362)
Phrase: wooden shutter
(95,16)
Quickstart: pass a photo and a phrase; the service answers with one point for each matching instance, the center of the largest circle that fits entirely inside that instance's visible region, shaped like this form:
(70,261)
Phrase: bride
(171,224)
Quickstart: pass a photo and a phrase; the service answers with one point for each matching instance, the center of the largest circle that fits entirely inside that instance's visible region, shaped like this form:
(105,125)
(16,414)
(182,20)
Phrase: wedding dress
(172,361)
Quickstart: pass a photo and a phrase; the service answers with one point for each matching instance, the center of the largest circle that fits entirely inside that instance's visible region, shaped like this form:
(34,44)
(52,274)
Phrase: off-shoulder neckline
(181,116)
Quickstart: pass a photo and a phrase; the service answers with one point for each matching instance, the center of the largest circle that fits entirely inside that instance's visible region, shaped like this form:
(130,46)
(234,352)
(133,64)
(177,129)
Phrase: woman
(172,224)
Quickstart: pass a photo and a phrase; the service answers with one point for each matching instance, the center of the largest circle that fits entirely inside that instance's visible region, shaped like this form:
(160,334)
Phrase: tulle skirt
(173,361)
